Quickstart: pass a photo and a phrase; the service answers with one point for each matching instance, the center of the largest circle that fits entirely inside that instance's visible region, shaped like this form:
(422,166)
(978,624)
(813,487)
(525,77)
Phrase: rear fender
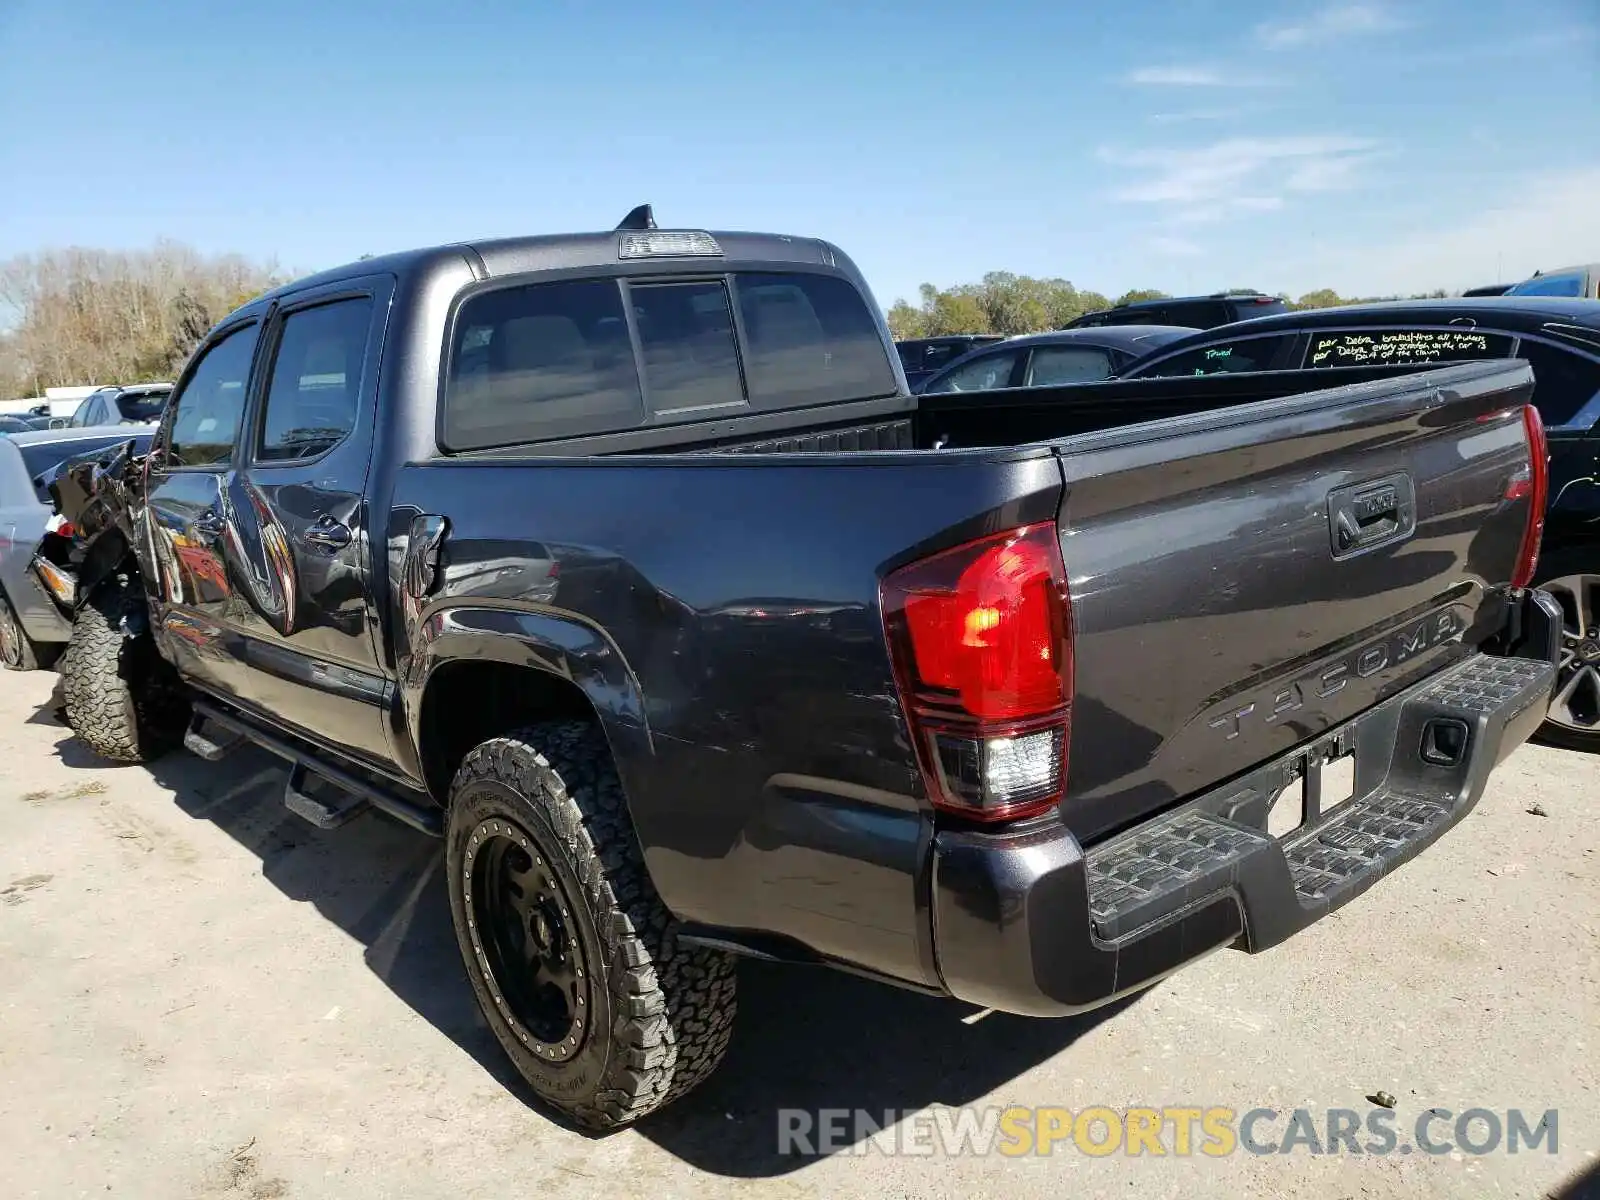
(559,646)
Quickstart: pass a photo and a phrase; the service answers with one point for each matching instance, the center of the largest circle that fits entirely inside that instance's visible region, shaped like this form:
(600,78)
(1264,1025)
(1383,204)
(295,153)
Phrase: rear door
(298,523)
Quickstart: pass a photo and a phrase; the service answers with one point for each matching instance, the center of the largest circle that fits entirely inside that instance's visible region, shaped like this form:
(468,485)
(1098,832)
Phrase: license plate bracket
(1323,779)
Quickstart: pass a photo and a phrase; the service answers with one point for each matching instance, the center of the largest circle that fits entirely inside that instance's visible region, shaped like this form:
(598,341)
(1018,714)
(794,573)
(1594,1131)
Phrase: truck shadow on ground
(807,1038)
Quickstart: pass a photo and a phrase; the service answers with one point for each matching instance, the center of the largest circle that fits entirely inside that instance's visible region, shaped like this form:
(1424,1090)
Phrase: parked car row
(722,680)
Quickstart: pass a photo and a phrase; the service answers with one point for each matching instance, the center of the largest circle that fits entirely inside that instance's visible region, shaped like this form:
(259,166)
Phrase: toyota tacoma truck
(626,564)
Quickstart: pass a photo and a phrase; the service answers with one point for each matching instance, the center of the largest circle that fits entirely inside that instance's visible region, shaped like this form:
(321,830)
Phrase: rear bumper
(1030,922)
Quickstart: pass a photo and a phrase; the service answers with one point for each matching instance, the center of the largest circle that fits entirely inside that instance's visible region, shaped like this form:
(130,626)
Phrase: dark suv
(1197,312)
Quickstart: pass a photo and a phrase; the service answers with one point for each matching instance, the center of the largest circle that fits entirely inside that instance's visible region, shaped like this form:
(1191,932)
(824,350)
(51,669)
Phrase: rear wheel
(122,698)
(568,948)
(1574,717)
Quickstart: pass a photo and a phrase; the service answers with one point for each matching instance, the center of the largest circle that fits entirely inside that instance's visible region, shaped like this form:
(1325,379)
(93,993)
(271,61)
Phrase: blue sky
(1370,146)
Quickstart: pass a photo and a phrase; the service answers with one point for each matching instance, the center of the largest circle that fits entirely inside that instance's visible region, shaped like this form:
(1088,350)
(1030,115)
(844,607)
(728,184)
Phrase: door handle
(208,524)
(328,533)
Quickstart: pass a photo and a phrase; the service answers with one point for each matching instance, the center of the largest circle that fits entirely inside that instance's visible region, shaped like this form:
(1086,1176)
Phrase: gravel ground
(202,996)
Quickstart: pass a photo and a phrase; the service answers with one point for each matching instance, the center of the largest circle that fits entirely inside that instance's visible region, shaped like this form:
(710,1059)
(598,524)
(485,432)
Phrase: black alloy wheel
(521,928)
(1574,717)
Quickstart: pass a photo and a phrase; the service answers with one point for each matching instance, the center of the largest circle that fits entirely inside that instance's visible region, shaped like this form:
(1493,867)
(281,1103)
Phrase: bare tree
(115,316)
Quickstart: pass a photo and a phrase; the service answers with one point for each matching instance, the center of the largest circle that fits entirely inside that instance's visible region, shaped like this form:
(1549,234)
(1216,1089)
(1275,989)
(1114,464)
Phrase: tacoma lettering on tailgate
(1333,677)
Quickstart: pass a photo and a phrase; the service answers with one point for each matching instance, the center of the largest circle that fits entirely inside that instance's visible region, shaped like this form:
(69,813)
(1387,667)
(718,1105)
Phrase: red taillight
(60,526)
(1535,485)
(981,641)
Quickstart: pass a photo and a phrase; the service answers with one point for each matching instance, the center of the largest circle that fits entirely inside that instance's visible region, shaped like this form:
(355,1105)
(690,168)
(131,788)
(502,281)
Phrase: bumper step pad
(1157,872)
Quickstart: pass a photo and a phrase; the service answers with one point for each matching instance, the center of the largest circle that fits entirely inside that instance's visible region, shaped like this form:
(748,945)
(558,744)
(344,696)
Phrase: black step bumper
(1029,922)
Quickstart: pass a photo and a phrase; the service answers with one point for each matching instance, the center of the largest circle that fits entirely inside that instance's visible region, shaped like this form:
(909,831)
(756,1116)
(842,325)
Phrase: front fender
(561,646)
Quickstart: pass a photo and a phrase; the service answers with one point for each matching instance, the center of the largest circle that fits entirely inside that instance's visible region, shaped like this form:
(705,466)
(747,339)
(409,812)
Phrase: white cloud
(1247,174)
(1542,222)
(1330,24)
(1196,114)
(1193,75)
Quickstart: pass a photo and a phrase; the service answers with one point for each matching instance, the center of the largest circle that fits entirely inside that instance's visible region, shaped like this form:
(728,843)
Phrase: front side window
(316,380)
(811,341)
(1219,358)
(540,361)
(982,374)
(1550,285)
(210,406)
(1377,347)
(1067,364)
(686,334)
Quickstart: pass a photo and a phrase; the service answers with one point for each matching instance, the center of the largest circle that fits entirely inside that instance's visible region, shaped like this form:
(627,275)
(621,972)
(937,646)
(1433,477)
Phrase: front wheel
(122,698)
(1573,721)
(569,950)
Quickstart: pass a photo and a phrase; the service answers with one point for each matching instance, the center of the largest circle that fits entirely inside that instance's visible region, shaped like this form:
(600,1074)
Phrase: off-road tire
(17,652)
(661,1013)
(123,699)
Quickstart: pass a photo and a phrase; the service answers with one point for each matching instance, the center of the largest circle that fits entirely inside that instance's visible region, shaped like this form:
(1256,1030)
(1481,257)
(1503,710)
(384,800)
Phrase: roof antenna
(639,218)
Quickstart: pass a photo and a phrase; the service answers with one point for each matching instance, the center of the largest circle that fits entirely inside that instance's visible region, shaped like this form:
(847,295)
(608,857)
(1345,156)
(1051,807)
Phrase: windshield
(1550,285)
(142,406)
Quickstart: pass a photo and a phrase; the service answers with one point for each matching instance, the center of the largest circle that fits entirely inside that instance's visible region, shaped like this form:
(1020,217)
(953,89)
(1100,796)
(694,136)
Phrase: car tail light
(1534,483)
(59,526)
(981,642)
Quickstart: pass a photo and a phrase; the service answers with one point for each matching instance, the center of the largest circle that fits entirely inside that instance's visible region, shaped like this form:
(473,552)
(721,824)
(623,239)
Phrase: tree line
(84,316)
(1010,304)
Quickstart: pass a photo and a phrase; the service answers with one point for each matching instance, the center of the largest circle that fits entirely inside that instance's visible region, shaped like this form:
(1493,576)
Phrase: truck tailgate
(1244,579)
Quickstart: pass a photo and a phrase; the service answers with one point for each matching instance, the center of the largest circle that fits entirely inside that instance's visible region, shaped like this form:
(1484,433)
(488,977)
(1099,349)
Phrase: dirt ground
(202,996)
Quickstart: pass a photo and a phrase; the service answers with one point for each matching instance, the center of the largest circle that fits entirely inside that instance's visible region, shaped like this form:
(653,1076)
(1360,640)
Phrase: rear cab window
(538,361)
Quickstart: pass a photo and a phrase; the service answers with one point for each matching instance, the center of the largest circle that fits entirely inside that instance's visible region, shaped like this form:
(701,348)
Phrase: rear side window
(1563,382)
(316,380)
(1067,364)
(546,360)
(1202,314)
(1219,358)
(1375,347)
(811,341)
(1550,285)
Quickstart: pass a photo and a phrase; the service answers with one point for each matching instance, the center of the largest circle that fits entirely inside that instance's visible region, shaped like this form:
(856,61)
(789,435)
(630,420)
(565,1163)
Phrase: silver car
(32,629)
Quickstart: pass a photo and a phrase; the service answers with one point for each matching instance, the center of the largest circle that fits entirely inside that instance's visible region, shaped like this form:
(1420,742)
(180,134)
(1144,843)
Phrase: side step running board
(339,809)
(212,749)
(325,815)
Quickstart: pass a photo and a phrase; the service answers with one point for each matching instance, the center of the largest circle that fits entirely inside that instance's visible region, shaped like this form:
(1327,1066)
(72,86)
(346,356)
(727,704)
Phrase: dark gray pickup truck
(625,563)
